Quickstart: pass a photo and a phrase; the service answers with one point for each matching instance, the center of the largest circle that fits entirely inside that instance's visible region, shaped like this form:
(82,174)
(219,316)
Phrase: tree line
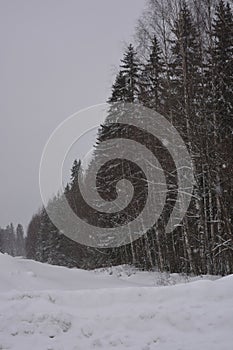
(181,67)
(12,241)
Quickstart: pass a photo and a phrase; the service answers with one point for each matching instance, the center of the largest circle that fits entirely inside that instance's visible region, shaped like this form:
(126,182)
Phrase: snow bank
(45,307)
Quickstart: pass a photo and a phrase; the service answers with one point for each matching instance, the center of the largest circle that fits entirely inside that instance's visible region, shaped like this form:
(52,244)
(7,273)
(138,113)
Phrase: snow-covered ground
(45,307)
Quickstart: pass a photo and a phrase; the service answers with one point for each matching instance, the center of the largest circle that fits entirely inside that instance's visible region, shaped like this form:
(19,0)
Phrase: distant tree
(32,236)
(9,240)
(45,242)
(1,239)
(20,241)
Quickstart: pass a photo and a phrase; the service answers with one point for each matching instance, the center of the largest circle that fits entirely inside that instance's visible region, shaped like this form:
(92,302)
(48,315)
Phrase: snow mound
(45,307)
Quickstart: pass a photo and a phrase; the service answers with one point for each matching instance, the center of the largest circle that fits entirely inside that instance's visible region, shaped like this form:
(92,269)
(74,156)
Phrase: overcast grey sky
(57,56)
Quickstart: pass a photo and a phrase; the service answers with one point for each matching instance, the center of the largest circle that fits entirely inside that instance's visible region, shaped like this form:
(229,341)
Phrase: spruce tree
(183,103)
(223,67)
(185,76)
(129,74)
(75,172)
(9,240)
(119,92)
(222,120)
(151,78)
(31,241)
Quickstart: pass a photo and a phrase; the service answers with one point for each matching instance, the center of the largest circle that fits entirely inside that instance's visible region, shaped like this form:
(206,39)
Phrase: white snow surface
(44,307)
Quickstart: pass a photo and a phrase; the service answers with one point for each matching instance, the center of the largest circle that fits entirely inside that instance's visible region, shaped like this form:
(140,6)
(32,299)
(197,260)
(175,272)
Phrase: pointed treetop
(75,170)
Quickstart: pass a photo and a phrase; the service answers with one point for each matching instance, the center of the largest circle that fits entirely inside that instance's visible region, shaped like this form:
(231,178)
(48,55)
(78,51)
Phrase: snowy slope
(45,307)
